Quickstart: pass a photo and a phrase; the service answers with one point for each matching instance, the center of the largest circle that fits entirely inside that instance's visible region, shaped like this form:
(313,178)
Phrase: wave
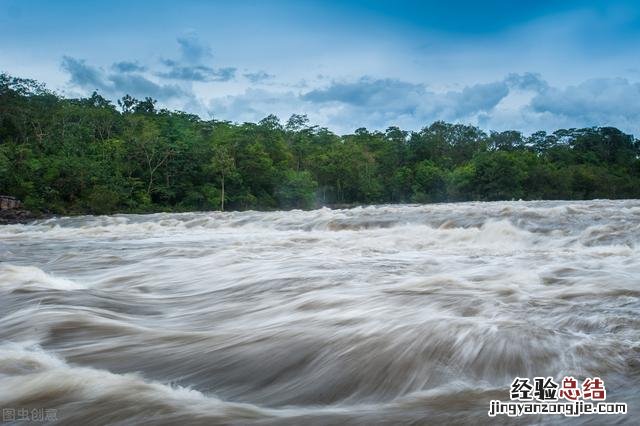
(31,278)
(373,315)
(527,214)
(32,378)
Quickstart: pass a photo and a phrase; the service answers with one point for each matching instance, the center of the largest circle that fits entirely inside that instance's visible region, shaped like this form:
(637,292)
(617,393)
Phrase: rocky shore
(12,216)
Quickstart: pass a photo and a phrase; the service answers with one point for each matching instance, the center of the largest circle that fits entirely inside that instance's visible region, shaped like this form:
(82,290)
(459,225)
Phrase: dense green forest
(90,156)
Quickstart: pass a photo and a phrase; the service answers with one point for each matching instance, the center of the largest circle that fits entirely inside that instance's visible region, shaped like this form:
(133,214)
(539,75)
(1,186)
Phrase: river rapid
(407,314)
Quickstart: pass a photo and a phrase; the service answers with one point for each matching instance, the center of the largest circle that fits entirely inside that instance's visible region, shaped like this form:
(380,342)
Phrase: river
(406,314)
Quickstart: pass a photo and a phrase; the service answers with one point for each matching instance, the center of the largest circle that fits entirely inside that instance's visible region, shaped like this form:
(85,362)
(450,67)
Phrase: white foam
(30,277)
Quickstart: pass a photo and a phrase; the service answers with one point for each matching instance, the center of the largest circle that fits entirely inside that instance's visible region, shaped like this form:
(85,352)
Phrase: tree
(499,175)
(150,147)
(297,190)
(147,106)
(127,104)
(85,155)
(430,183)
(223,164)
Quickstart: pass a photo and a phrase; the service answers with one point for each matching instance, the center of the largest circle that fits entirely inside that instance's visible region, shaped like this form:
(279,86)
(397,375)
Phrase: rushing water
(377,315)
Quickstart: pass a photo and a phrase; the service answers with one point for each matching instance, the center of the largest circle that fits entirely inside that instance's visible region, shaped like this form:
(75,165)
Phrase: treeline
(91,156)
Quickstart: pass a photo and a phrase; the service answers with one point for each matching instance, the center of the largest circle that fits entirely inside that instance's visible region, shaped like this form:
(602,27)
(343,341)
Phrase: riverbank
(14,216)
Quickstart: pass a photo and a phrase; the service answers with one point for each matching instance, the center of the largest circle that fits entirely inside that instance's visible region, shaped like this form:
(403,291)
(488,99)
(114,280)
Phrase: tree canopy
(88,155)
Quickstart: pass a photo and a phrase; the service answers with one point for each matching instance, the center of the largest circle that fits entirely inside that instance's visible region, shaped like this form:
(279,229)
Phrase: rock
(12,216)
(7,202)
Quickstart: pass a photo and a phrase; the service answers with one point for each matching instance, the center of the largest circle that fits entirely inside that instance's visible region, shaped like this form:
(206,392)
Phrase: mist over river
(379,315)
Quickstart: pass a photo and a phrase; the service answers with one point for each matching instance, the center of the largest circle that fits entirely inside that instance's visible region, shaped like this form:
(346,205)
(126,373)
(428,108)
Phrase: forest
(91,156)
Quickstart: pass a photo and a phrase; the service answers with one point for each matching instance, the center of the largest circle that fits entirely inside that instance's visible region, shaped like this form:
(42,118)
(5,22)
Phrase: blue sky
(524,65)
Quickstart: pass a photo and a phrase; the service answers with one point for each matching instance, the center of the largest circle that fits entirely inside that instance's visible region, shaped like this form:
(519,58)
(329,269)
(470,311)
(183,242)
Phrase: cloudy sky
(523,65)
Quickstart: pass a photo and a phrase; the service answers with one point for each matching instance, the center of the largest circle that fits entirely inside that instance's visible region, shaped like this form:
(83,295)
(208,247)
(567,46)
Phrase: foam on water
(24,278)
(374,315)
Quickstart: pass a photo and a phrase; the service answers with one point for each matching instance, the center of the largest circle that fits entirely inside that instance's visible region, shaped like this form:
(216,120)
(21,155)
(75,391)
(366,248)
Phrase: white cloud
(117,84)
(524,102)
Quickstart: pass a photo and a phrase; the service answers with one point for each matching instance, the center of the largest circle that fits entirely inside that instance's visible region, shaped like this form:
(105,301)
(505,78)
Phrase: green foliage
(499,175)
(102,200)
(74,156)
(430,183)
(297,190)
(461,181)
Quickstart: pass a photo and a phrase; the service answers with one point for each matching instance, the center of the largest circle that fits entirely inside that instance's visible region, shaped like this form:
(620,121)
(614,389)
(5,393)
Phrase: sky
(526,65)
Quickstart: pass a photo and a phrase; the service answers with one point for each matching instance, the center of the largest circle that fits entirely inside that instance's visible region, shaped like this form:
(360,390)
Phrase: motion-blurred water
(377,315)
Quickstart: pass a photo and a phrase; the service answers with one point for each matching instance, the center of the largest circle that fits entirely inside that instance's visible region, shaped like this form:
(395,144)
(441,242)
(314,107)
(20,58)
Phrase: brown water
(377,315)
